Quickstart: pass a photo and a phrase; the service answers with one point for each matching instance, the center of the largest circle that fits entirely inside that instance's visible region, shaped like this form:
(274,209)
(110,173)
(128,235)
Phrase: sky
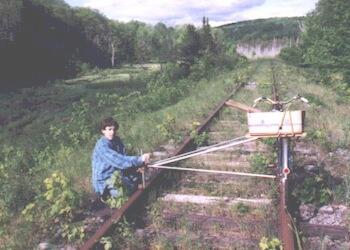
(177,12)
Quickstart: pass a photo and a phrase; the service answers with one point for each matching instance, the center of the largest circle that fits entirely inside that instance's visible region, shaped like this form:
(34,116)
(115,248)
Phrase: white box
(276,123)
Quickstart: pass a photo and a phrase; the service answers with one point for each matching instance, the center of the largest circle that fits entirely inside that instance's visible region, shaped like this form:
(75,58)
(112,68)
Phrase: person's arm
(117,160)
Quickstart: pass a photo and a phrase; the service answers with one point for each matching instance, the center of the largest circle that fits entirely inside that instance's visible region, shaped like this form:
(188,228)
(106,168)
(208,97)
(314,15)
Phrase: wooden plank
(241,106)
(335,232)
(274,135)
(203,199)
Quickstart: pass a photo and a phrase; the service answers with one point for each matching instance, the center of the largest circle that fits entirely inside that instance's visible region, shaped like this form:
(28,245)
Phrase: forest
(45,40)
(48,40)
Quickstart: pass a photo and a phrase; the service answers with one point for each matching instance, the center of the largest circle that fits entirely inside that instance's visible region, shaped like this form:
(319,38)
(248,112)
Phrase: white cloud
(277,8)
(191,11)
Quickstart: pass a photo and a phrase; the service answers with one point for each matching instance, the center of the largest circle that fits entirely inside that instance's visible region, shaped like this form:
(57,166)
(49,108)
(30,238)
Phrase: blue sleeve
(116,160)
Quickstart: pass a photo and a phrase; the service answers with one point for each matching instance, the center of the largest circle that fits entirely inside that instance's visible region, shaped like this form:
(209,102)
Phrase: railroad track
(217,211)
(210,210)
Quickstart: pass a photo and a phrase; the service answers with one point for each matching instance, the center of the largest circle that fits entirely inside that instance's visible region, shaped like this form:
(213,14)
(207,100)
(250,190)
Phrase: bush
(292,55)
(200,139)
(241,208)
(83,68)
(259,163)
(16,188)
(314,189)
(116,182)
(170,73)
(53,209)
(270,244)
(168,128)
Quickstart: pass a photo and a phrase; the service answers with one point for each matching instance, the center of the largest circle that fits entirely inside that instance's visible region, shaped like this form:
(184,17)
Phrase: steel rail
(286,232)
(118,213)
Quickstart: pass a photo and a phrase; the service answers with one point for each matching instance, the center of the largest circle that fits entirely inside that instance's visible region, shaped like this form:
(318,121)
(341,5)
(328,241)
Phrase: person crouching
(109,156)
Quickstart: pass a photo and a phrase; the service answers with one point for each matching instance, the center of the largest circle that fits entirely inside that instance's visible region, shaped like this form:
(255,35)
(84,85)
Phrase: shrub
(292,55)
(314,189)
(83,68)
(16,188)
(200,139)
(241,208)
(259,162)
(54,207)
(168,128)
(320,137)
(270,244)
(116,182)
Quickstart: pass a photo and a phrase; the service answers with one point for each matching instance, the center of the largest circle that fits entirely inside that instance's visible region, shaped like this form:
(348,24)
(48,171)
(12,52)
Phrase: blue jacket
(107,157)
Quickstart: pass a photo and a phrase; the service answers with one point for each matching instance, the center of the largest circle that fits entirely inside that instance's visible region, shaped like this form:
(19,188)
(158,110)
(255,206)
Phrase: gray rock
(331,215)
(44,246)
(326,210)
(311,168)
(251,85)
(323,220)
(169,148)
(307,211)
(159,155)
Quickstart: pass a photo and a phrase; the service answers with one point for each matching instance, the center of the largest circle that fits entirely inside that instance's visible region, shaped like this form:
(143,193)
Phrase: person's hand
(146,158)
(141,170)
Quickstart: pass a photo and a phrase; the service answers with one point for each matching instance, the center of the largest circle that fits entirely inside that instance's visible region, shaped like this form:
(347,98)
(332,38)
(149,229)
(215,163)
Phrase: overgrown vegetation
(264,29)
(259,162)
(61,125)
(324,44)
(314,189)
(48,131)
(270,244)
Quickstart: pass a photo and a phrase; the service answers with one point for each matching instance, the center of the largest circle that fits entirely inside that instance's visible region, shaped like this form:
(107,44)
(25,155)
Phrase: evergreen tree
(188,44)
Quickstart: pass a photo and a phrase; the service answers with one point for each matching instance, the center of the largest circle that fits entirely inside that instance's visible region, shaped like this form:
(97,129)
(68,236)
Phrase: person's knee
(113,193)
(110,192)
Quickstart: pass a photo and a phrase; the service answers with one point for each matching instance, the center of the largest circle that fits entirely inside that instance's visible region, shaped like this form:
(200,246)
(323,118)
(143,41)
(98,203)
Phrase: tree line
(264,29)
(325,43)
(42,40)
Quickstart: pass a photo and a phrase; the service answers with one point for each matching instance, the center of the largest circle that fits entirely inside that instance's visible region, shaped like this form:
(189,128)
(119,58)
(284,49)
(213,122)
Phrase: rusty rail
(286,233)
(285,226)
(118,213)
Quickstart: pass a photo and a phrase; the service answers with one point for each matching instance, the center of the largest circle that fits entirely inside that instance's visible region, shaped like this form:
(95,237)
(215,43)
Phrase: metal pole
(286,229)
(285,151)
(211,149)
(199,150)
(143,179)
(213,171)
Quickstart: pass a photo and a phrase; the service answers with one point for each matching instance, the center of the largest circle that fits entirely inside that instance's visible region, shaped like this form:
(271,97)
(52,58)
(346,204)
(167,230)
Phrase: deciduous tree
(327,37)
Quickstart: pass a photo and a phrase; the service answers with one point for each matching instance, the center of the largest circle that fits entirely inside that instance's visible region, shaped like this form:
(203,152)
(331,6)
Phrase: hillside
(263,38)
(263,29)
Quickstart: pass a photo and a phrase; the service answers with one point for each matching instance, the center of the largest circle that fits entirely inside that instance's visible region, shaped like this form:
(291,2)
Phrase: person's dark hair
(107,122)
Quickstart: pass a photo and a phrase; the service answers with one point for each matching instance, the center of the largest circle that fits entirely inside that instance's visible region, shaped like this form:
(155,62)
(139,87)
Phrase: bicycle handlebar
(282,103)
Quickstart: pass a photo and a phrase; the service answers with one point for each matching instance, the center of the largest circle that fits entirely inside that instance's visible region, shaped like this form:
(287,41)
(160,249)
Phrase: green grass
(47,123)
(26,116)
(327,110)
(327,117)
